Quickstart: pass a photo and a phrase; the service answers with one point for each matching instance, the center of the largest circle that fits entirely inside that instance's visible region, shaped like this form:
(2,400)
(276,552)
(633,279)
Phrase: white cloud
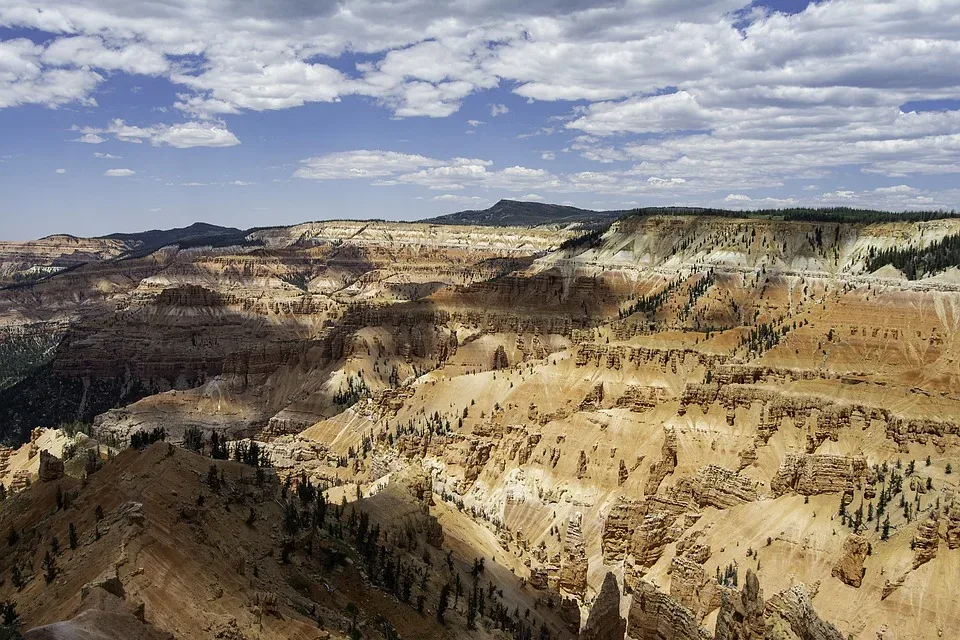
(737,197)
(900,188)
(664,113)
(475,123)
(60,171)
(839,195)
(105,156)
(181,136)
(450,197)
(363,163)
(772,97)
(498,110)
(532,196)
(25,79)
(119,173)
(239,183)
(548,155)
(90,138)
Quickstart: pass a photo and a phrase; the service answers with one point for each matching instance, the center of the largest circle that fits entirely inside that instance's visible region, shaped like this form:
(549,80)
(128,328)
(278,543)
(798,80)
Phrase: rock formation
(741,615)
(926,540)
(573,567)
(810,474)
(605,621)
(51,467)
(722,488)
(790,615)
(849,567)
(656,616)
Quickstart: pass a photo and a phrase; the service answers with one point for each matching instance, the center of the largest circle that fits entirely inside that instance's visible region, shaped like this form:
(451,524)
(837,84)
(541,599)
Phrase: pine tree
(49,568)
(443,603)
(885,534)
(73,536)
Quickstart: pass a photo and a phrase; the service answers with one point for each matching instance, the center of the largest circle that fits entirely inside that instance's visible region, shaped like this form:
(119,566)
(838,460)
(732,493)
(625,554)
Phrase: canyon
(675,425)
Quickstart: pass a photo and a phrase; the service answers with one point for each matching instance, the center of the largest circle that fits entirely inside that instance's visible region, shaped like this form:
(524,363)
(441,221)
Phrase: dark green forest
(919,262)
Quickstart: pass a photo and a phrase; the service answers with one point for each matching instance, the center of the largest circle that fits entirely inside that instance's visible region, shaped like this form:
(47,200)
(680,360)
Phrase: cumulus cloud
(60,171)
(723,99)
(105,156)
(119,173)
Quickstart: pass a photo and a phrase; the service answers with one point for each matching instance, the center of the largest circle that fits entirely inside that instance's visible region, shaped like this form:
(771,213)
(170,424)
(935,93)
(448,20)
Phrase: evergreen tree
(443,602)
(49,568)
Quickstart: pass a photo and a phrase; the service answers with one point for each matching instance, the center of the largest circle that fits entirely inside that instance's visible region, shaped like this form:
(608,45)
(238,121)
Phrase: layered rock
(719,487)
(656,616)
(573,567)
(849,567)
(51,467)
(811,474)
(926,540)
(741,615)
(790,616)
(690,584)
(665,465)
(953,526)
(618,528)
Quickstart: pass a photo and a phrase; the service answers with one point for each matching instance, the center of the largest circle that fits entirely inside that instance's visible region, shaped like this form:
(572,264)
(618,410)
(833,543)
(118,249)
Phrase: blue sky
(123,115)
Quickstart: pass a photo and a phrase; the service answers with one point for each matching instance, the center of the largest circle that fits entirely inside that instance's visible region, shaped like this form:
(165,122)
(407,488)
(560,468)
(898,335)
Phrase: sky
(126,115)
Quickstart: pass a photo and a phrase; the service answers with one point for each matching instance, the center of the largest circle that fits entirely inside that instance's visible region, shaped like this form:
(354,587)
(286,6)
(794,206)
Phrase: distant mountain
(527,214)
(199,234)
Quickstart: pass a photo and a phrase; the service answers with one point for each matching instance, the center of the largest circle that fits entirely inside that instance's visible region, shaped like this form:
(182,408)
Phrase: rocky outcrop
(573,566)
(953,526)
(926,540)
(849,568)
(500,360)
(741,615)
(719,487)
(618,527)
(811,474)
(791,616)
(570,614)
(594,399)
(639,399)
(604,621)
(690,585)
(665,465)
(656,616)
(51,467)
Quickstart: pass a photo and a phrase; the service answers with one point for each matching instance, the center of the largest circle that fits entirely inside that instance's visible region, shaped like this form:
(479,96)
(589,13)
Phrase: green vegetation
(825,214)
(21,354)
(916,262)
